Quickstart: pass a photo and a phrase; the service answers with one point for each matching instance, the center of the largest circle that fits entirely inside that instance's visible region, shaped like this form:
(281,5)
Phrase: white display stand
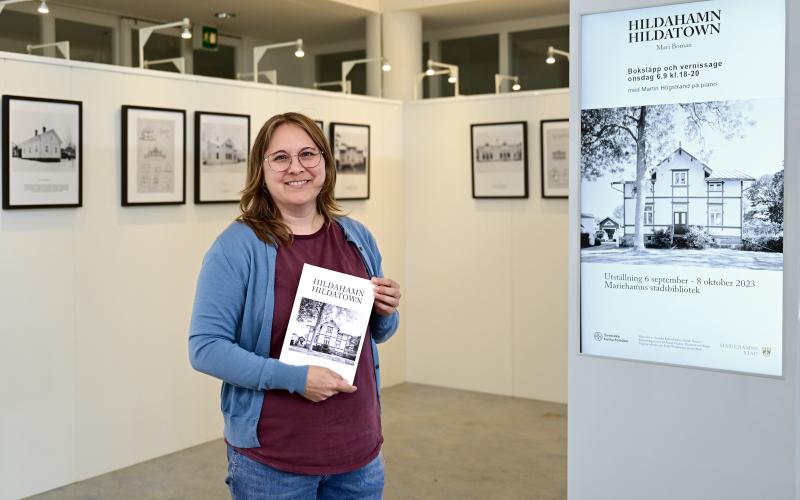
(97,300)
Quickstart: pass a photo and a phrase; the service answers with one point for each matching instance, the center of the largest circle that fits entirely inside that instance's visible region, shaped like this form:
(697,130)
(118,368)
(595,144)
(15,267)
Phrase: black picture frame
(352,178)
(199,176)
(547,168)
(177,195)
(505,182)
(43,118)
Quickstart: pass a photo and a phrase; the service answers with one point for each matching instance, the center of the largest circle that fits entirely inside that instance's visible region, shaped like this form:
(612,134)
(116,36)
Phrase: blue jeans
(251,480)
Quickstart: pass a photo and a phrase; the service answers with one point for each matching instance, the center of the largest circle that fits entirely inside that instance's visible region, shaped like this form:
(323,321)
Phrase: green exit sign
(210,37)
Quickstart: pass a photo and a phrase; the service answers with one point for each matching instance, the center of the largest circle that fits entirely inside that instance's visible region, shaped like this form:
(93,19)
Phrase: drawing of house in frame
(42,147)
(682,192)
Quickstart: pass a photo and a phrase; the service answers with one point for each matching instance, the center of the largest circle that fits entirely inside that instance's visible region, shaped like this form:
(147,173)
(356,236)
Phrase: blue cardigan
(229,336)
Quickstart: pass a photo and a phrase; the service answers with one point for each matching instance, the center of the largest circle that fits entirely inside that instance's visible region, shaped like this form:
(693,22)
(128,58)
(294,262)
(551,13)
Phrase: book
(329,321)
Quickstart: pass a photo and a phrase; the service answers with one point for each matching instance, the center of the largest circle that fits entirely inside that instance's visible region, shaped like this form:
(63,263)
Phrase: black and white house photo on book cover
(696,183)
(499,160)
(325,330)
(42,154)
(222,142)
(350,144)
(329,319)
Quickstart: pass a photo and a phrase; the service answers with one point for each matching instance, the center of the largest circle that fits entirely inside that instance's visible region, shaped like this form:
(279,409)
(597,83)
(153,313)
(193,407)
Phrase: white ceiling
(471,13)
(318,21)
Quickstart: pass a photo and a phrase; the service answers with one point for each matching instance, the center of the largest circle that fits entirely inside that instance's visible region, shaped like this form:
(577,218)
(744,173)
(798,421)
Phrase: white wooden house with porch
(42,147)
(682,191)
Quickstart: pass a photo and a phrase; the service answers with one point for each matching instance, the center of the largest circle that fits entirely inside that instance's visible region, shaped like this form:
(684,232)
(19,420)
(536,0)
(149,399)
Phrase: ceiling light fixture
(438,68)
(347,66)
(499,78)
(224,15)
(258,52)
(551,53)
(144,35)
(42,7)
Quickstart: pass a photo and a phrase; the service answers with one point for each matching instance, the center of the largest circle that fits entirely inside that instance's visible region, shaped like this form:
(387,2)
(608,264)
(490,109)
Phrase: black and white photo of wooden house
(350,145)
(42,159)
(221,152)
(498,152)
(350,158)
(44,146)
(683,191)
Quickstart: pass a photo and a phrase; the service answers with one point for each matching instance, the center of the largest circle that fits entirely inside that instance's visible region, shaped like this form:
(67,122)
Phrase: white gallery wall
(95,301)
(639,430)
(485,294)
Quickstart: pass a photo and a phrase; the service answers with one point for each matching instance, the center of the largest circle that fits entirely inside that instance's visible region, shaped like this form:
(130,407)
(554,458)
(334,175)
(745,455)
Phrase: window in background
(528,54)
(18,30)
(329,68)
(220,63)
(159,46)
(477,59)
(87,42)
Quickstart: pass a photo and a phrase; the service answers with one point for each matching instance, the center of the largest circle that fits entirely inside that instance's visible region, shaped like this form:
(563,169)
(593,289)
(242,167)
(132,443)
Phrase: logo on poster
(766,351)
(598,336)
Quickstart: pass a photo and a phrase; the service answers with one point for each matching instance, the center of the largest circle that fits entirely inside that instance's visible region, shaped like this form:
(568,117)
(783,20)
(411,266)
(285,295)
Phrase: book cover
(329,321)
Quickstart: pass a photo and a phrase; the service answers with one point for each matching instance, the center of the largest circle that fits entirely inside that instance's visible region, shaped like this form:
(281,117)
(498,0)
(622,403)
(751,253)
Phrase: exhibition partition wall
(485,296)
(96,300)
(683,352)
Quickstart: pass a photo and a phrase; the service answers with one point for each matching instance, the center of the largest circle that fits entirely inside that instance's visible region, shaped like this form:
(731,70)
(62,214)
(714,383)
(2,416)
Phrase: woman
(292,431)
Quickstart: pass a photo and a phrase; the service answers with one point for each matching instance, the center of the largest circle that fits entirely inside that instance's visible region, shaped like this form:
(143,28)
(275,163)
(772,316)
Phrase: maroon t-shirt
(342,433)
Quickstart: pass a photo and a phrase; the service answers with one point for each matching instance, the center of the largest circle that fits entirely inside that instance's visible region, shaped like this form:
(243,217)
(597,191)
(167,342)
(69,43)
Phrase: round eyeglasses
(280,161)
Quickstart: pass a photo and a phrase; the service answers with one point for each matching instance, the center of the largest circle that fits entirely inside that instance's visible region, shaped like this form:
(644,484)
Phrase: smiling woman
(292,431)
(283,188)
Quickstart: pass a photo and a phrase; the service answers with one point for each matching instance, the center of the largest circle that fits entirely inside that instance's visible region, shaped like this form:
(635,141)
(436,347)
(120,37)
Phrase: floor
(439,444)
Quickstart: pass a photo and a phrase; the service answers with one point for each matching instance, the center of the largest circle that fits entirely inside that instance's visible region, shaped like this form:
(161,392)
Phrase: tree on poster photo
(611,136)
(763,220)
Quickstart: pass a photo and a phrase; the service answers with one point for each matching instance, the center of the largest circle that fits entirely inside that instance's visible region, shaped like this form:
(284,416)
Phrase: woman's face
(294,190)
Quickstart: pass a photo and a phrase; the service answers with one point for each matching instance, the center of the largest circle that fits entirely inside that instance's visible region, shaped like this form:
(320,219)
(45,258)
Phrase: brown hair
(259,210)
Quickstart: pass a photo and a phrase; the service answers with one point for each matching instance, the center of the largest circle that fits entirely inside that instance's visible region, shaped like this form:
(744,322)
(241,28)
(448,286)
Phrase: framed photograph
(500,160)
(221,146)
(554,138)
(42,153)
(153,156)
(350,145)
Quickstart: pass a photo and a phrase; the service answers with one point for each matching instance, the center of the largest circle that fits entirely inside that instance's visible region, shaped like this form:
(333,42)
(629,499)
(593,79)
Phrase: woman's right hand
(322,383)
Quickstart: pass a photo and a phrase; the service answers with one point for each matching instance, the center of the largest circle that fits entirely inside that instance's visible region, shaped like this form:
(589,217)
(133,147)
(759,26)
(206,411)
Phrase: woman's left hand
(387,296)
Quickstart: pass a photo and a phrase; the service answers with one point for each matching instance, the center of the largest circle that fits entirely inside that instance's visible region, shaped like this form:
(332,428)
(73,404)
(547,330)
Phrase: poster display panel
(681,162)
